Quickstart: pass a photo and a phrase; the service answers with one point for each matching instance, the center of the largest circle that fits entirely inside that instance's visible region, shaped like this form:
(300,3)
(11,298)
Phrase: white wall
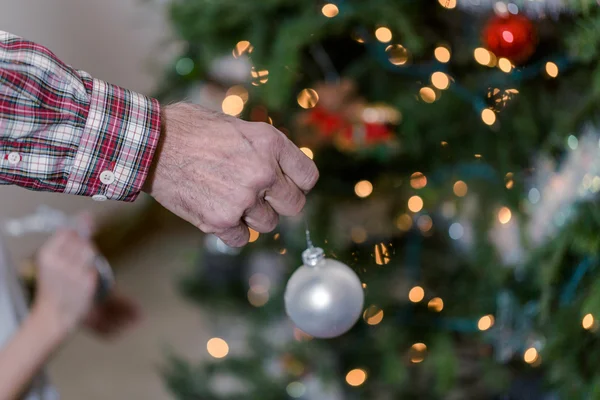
(119,41)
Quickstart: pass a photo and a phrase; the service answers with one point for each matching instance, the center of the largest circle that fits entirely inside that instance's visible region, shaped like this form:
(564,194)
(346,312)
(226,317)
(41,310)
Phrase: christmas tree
(459,165)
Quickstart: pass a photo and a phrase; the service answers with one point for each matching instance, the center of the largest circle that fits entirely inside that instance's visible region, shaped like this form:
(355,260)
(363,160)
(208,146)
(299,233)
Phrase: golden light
(397,54)
(330,10)
(505,65)
(356,377)
(382,254)
(404,222)
(482,56)
(307,151)
(442,54)
(363,189)
(417,352)
(551,69)
(440,80)
(425,223)
(259,77)
(530,356)
(373,315)
(460,188)
(238,91)
(383,34)
(241,48)
(308,98)
(364,285)
(509,182)
(358,234)
(257,298)
(504,215)
(416,294)
(283,251)
(427,94)
(415,204)
(485,322)
(233,105)
(418,180)
(449,4)
(217,347)
(253,235)
(488,116)
(276,236)
(436,304)
(588,321)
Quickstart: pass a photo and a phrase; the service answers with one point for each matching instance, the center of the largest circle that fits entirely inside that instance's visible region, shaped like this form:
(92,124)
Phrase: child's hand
(66,280)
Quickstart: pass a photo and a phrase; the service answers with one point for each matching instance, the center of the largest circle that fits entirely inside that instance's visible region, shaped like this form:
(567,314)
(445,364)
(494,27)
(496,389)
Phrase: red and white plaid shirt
(63,131)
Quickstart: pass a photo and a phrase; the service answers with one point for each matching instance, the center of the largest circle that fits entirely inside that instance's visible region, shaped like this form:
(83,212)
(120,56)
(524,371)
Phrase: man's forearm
(27,352)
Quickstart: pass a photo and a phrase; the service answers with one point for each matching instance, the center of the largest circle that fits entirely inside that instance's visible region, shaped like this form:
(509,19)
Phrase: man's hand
(224,174)
(115,314)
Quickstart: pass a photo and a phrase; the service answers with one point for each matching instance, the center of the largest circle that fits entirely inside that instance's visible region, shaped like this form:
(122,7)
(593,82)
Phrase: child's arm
(66,287)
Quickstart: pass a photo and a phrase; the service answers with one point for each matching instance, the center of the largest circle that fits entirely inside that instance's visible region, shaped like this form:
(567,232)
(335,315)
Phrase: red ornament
(513,37)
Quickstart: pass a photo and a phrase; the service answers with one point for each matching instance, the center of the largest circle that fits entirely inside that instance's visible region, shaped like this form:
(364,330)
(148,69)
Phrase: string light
(505,65)
(588,321)
(358,234)
(404,222)
(427,94)
(415,204)
(383,34)
(330,10)
(356,377)
(382,254)
(509,180)
(485,322)
(440,80)
(233,105)
(449,4)
(442,54)
(488,116)
(363,189)
(530,356)
(416,294)
(460,188)
(504,215)
(241,48)
(425,223)
(397,54)
(238,90)
(308,98)
(217,347)
(253,235)
(418,180)
(307,151)
(551,69)
(436,304)
(482,56)
(417,352)
(260,77)
(373,315)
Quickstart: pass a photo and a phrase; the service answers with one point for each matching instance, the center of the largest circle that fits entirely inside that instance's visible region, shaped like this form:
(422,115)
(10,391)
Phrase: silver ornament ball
(324,297)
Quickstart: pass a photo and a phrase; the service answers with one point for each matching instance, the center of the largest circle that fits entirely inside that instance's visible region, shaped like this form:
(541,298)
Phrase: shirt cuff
(117,144)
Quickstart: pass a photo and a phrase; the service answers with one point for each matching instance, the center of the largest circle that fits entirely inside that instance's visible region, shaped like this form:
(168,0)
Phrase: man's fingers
(262,218)
(285,197)
(236,236)
(295,164)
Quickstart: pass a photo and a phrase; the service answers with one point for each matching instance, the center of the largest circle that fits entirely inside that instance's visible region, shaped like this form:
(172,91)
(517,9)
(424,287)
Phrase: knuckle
(263,176)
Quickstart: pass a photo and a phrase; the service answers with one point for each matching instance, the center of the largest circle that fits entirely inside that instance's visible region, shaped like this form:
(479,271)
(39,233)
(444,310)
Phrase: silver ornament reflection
(324,297)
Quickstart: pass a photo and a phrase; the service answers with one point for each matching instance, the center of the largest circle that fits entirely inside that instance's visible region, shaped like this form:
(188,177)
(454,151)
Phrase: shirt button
(107,177)
(99,197)
(14,158)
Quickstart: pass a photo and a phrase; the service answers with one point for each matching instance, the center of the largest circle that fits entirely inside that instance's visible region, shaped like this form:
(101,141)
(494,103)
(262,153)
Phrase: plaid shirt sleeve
(63,131)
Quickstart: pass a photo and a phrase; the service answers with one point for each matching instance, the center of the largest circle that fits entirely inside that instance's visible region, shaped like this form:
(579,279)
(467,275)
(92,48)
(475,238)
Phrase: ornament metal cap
(312,256)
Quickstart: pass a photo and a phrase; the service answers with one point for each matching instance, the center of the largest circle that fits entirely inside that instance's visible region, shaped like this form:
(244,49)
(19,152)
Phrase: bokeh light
(307,151)
(482,56)
(440,80)
(217,347)
(383,34)
(373,315)
(488,116)
(330,10)
(460,188)
(485,322)
(416,294)
(531,355)
(551,69)
(449,4)
(504,215)
(415,204)
(436,304)
(442,54)
(418,180)
(241,48)
(233,105)
(588,321)
(363,189)
(404,222)
(397,54)
(356,377)
(505,65)
(308,98)
(427,94)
